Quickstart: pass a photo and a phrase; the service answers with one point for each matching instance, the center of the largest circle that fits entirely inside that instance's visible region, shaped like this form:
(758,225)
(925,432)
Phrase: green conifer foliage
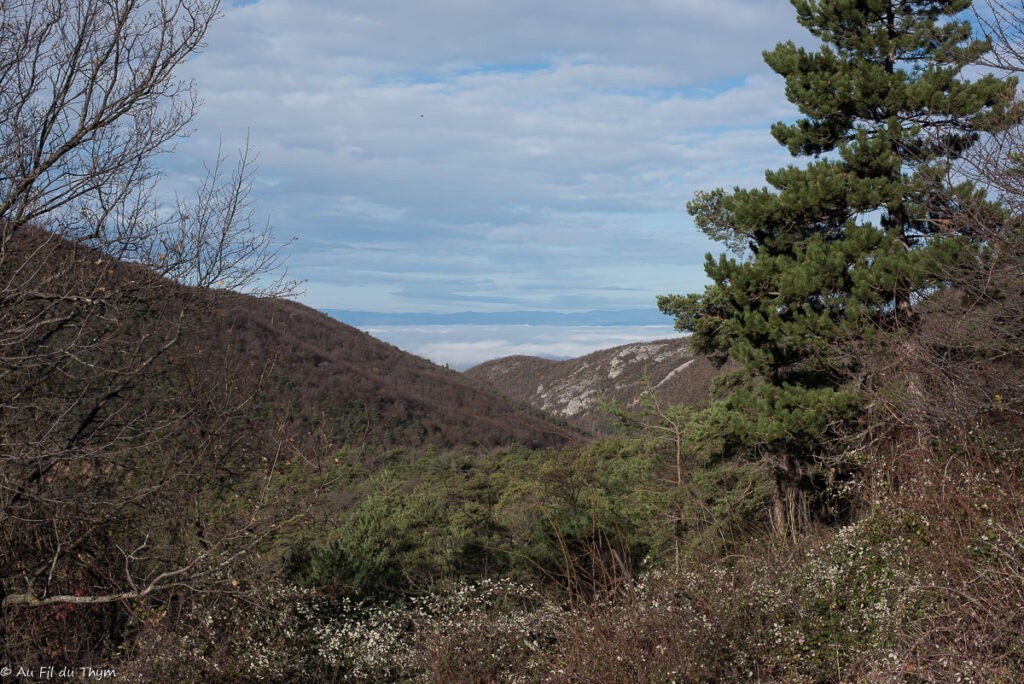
(842,247)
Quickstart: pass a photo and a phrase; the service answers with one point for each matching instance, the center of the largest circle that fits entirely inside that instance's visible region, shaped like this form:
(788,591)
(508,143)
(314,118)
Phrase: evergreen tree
(844,246)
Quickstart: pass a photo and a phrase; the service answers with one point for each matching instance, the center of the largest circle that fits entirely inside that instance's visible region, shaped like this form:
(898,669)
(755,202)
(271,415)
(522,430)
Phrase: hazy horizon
(463,340)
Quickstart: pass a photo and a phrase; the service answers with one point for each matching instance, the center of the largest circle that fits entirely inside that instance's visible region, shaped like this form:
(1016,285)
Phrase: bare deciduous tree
(1003,23)
(87,97)
(125,470)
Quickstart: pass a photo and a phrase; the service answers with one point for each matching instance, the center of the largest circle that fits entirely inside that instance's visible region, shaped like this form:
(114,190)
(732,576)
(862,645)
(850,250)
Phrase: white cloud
(466,155)
(347,206)
(395,38)
(464,346)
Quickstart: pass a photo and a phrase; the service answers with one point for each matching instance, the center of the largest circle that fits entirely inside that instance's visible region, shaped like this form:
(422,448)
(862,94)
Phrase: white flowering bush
(852,599)
(281,633)
(306,632)
(488,629)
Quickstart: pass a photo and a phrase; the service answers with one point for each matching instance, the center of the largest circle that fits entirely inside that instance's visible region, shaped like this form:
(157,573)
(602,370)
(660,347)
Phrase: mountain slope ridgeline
(583,390)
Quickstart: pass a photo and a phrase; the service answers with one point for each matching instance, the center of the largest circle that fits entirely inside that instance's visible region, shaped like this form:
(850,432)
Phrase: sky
(483,156)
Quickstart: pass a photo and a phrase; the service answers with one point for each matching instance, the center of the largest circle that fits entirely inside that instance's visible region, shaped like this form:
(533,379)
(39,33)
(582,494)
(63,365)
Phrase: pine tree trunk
(790,508)
(779,506)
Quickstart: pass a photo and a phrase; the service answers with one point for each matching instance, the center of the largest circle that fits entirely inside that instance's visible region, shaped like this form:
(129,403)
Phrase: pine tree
(844,246)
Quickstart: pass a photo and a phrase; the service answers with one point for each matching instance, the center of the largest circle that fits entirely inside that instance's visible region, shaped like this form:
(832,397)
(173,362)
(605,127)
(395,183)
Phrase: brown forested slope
(325,373)
(271,364)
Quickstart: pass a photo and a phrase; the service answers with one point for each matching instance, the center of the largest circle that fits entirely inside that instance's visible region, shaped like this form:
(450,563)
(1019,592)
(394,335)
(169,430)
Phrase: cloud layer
(464,346)
(471,156)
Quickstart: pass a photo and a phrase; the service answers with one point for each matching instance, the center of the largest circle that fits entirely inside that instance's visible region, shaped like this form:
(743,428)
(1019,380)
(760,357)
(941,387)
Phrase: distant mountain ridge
(580,390)
(623,317)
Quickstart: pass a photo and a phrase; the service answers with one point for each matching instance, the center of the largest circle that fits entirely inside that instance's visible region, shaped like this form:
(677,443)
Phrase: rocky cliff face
(582,390)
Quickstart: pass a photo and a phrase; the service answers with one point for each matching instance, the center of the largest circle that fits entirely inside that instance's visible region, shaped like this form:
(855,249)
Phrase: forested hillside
(325,375)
